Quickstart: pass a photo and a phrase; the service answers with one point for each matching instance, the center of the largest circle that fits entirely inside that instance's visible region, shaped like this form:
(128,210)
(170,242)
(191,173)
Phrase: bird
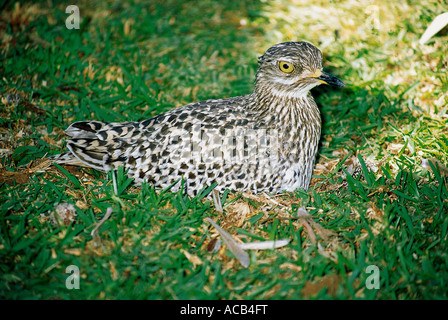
(265,141)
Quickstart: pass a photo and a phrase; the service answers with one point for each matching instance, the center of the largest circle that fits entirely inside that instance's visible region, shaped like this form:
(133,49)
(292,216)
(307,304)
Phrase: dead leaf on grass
(330,282)
(194,259)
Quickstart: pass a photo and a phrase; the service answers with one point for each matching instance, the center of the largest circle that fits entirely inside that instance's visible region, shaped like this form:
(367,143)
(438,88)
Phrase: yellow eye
(286,67)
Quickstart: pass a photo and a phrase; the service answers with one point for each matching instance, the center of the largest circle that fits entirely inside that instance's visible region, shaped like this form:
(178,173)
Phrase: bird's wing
(102,145)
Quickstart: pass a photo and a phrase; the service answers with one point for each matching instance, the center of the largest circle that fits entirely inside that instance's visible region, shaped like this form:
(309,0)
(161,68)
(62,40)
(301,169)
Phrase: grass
(132,60)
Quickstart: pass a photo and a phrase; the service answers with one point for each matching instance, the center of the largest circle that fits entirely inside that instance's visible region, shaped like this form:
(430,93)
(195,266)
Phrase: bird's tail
(89,145)
(66,158)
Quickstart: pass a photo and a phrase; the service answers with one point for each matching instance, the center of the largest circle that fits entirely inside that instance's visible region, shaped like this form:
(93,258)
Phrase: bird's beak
(326,78)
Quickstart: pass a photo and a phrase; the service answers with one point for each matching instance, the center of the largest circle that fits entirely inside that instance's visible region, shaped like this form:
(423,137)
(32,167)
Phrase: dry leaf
(291,266)
(263,245)
(194,259)
(73,251)
(214,245)
(330,282)
(233,246)
(436,25)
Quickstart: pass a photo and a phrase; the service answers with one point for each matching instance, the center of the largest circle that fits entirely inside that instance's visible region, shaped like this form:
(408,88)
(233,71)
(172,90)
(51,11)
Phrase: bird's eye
(286,67)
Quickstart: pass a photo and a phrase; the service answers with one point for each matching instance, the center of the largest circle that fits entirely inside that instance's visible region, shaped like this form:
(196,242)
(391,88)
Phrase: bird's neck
(280,109)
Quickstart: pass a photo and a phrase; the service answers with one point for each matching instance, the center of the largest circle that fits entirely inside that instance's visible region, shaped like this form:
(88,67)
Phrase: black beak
(331,80)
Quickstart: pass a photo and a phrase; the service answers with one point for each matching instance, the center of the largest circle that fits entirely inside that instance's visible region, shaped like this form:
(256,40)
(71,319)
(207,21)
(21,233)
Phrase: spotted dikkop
(265,141)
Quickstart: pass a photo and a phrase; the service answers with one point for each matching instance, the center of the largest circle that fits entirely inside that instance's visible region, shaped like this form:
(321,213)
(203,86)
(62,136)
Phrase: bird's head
(292,69)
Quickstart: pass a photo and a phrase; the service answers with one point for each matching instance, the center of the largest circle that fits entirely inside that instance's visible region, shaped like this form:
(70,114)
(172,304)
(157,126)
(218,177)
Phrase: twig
(114,181)
(217,201)
(273,201)
(306,220)
(106,216)
(234,247)
(238,249)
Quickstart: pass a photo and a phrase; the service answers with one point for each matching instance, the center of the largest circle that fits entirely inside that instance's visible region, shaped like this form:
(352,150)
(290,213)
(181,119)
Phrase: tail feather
(66,158)
(93,143)
(88,157)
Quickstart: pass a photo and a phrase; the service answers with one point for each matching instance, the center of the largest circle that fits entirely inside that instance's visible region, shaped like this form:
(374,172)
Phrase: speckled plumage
(264,142)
